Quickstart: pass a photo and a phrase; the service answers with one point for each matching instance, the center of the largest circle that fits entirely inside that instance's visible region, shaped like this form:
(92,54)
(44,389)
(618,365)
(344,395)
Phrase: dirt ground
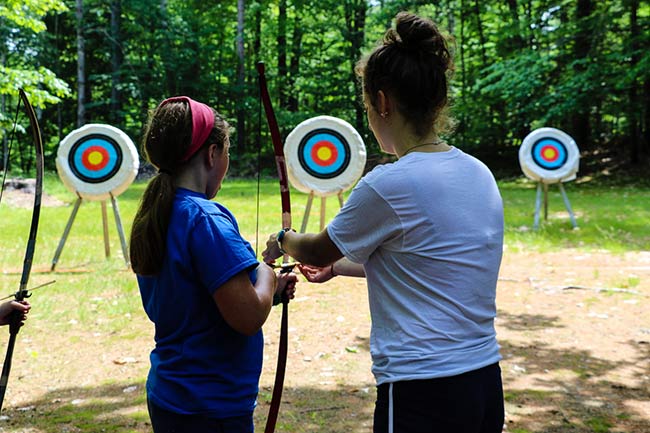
(575,335)
(574,330)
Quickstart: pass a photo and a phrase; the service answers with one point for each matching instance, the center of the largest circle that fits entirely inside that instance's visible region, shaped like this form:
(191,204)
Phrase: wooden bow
(23,292)
(280,163)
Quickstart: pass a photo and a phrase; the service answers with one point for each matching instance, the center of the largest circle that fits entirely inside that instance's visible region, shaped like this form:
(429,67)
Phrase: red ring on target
(324,153)
(95,158)
(550,153)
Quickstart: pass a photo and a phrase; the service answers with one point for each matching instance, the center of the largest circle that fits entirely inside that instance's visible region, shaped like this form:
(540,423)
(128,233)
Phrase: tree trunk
(633,98)
(282,53)
(451,18)
(516,38)
(481,36)
(296,53)
(463,72)
(81,67)
(355,20)
(257,29)
(166,50)
(646,131)
(581,126)
(117,59)
(241,78)
(3,106)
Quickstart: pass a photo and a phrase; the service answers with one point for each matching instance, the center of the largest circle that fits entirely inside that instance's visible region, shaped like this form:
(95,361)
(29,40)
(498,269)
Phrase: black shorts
(163,421)
(471,402)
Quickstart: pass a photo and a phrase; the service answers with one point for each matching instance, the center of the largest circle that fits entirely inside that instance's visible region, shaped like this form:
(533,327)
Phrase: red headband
(202,123)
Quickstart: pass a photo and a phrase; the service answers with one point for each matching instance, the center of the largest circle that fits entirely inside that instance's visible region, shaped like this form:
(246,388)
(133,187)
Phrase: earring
(384,114)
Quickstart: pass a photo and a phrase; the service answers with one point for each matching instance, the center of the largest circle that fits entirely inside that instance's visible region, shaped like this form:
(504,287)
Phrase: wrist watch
(280,237)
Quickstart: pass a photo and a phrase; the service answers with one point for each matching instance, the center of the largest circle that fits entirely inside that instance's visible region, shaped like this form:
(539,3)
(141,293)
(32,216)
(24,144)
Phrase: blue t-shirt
(200,365)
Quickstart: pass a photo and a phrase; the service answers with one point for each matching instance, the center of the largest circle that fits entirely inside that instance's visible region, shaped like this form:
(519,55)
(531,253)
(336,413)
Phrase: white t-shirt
(428,230)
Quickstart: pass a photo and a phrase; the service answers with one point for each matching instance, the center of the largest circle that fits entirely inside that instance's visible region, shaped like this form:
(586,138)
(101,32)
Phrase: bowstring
(259,169)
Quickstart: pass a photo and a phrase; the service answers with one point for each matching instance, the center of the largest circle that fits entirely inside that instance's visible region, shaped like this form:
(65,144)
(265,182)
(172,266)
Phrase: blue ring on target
(549,153)
(95,158)
(324,153)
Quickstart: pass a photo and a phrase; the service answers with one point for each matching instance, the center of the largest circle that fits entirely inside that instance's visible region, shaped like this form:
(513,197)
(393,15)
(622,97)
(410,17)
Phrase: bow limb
(22,292)
(286,223)
(278,150)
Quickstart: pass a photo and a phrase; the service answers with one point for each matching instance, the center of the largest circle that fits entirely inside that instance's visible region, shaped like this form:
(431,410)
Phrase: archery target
(549,155)
(325,155)
(97,161)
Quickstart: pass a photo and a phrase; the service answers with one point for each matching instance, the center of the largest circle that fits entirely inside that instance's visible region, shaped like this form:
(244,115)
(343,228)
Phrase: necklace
(430,143)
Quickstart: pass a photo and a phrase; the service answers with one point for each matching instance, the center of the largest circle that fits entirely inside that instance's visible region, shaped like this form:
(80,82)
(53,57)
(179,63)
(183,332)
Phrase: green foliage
(20,21)
(29,13)
(578,66)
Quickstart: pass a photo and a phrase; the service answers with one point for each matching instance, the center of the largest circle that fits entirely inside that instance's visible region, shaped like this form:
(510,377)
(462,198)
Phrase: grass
(613,218)
(93,313)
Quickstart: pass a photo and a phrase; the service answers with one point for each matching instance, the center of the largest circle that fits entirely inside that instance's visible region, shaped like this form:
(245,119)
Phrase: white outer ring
(533,171)
(117,184)
(305,182)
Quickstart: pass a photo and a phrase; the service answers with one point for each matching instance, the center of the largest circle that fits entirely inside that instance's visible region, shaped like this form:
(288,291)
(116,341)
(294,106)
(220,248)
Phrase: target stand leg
(538,204)
(120,230)
(545,186)
(107,245)
(66,232)
(568,206)
(305,218)
(323,201)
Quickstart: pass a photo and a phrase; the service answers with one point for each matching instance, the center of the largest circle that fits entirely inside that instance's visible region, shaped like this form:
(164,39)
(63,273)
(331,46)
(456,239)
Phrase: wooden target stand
(326,156)
(549,156)
(323,207)
(97,162)
(107,247)
(542,188)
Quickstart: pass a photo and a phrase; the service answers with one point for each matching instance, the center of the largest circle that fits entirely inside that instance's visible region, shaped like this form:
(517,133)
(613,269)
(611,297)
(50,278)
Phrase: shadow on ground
(567,389)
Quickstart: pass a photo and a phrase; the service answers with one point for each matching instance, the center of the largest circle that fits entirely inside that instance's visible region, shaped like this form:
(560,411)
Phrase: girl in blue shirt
(200,282)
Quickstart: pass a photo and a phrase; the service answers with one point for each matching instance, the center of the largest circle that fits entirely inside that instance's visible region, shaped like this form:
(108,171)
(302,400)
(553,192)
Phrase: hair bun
(417,34)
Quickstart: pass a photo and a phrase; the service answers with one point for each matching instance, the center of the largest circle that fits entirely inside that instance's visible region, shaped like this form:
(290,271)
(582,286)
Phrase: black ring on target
(324,153)
(549,153)
(95,158)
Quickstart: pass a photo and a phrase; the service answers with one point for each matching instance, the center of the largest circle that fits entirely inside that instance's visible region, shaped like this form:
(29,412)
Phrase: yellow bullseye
(324,153)
(95,158)
(549,153)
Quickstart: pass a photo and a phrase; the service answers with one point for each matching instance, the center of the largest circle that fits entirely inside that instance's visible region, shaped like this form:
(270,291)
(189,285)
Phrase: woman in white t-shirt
(427,233)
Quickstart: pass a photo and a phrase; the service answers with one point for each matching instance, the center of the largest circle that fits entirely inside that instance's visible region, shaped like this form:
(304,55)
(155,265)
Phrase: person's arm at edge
(320,274)
(347,268)
(315,250)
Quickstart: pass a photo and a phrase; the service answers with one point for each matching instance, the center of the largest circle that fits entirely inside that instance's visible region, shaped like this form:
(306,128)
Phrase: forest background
(582,66)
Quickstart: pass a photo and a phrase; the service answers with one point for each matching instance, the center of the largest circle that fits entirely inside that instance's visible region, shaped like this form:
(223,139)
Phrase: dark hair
(167,137)
(411,64)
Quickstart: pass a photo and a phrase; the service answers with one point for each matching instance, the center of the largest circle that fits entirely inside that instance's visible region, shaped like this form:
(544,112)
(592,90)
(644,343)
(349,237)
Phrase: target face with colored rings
(549,155)
(325,155)
(97,161)
(95,158)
